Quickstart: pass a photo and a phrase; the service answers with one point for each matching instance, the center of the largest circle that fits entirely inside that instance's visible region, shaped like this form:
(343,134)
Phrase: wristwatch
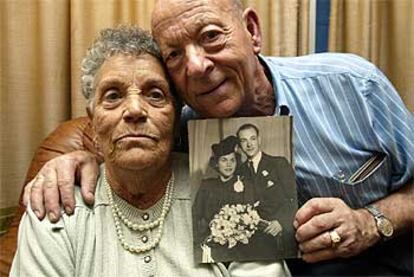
(384,225)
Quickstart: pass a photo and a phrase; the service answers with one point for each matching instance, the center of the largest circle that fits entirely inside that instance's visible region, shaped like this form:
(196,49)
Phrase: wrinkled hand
(274,228)
(55,181)
(318,216)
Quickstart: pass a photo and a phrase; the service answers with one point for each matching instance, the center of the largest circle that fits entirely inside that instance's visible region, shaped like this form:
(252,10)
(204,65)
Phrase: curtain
(382,31)
(285,26)
(42,43)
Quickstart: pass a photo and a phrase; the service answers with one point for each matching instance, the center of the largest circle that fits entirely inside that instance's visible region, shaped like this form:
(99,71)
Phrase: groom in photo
(270,177)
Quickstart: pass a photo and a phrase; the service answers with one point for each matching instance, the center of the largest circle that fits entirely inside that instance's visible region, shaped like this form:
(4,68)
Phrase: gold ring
(335,238)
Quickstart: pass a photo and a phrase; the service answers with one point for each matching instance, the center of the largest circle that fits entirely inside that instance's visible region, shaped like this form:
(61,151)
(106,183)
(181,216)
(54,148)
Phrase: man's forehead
(170,13)
(248,132)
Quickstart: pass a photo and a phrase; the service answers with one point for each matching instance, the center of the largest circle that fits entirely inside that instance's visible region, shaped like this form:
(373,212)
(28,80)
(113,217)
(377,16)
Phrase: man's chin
(220,110)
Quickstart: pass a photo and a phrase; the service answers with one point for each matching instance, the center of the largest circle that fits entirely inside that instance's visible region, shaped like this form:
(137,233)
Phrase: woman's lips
(136,137)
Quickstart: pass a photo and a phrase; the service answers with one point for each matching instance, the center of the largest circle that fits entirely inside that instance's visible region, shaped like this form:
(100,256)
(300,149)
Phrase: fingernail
(295,224)
(90,196)
(52,216)
(68,210)
(37,213)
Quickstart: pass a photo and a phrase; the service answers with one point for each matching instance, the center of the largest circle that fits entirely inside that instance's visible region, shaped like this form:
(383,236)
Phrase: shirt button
(144,239)
(340,175)
(145,216)
(147,259)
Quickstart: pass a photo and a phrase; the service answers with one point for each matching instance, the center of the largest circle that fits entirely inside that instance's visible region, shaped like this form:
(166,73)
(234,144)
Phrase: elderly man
(353,135)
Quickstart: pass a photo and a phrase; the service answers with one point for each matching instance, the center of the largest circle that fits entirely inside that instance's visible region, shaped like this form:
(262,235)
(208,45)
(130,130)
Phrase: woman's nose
(135,109)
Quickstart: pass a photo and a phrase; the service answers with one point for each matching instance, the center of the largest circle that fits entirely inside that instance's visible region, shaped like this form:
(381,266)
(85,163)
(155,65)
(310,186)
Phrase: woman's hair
(222,148)
(128,40)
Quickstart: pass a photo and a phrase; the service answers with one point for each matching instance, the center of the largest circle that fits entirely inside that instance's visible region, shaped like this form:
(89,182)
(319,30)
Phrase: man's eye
(210,36)
(172,58)
(214,38)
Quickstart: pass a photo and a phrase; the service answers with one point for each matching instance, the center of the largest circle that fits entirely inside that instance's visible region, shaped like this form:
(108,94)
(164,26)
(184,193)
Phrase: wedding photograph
(246,201)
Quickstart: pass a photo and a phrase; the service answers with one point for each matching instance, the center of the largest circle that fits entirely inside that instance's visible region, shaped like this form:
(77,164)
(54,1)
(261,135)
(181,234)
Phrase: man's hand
(274,228)
(317,217)
(56,181)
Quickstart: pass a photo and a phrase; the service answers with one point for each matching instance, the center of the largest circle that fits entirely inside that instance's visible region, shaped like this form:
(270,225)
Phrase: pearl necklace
(119,216)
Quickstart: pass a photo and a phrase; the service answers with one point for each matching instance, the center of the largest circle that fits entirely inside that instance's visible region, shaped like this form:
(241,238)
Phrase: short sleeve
(393,126)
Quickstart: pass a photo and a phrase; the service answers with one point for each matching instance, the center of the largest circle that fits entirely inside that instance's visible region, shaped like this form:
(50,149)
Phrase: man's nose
(136,109)
(197,62)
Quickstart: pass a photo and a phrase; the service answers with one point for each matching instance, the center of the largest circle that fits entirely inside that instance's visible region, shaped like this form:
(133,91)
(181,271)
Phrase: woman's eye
(112,95)
(156,96)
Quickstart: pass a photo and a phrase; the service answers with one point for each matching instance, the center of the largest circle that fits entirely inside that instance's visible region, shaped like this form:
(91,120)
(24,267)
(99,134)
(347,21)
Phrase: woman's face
(133,112)
(227,165)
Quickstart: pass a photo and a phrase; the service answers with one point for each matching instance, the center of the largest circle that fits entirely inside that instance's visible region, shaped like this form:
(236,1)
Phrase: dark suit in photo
(273,183)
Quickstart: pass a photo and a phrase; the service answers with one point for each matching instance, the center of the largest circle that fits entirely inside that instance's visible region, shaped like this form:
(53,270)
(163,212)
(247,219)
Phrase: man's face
(249,142)
(209,53)
(133,112)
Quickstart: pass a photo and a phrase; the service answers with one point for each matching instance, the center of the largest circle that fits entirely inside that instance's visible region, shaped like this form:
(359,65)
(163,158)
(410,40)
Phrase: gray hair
(128,40)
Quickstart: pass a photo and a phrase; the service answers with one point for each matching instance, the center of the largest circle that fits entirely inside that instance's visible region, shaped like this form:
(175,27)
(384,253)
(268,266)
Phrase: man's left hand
(274,228)
(319,216)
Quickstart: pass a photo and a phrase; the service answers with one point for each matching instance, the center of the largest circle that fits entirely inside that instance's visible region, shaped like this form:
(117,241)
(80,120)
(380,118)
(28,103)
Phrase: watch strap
(374,211)
(384,225)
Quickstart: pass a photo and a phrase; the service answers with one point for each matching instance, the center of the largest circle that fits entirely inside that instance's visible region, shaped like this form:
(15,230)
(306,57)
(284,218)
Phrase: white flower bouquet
(234,224)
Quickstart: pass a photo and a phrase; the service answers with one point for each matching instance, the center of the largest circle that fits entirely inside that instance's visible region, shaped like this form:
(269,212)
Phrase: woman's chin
(138,159)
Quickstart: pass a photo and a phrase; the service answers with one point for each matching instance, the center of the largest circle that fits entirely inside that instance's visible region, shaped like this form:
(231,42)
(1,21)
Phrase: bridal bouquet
(234,224)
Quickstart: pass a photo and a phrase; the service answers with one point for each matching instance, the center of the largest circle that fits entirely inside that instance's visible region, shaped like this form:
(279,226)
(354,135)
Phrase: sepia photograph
(246,201)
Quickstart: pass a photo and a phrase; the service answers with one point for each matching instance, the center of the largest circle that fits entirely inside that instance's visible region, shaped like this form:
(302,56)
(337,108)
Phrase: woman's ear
(89,111)
(251,19)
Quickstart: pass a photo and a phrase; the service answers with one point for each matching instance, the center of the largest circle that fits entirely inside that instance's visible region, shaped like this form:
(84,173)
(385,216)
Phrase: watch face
(385,227)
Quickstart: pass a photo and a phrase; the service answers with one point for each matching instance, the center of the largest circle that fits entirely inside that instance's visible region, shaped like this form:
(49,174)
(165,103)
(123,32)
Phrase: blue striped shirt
(344,111)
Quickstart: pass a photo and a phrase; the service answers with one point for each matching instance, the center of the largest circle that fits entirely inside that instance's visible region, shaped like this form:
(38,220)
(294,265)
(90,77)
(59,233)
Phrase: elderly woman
(140,223)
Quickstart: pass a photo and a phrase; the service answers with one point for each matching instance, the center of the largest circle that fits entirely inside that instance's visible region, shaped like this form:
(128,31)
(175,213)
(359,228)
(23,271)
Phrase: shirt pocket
(366,184)
(370,167)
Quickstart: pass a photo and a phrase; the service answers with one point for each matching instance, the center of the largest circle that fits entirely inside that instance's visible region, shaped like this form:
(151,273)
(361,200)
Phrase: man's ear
(251,19)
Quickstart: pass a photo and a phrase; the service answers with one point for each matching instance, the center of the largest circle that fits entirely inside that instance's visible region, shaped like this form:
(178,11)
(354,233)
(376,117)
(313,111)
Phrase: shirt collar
(278,91)
(256,160)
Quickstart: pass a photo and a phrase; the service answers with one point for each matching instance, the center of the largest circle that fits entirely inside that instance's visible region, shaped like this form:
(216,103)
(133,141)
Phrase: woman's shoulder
(210,183)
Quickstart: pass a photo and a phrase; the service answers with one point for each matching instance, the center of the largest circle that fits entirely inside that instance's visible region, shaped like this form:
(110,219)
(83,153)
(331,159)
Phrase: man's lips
(211,90)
